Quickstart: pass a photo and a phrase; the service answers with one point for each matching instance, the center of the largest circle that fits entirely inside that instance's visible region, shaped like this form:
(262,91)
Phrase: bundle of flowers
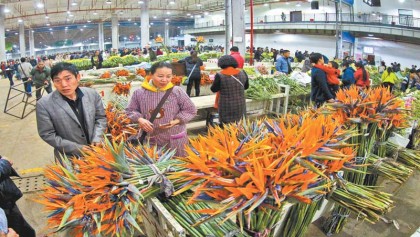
(122,88)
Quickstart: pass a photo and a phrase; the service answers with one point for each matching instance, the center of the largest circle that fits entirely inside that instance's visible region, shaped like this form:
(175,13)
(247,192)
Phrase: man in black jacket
(9,194)
(320,91)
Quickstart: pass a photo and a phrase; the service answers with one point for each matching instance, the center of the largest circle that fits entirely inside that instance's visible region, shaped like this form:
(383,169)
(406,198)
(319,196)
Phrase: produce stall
(269,177)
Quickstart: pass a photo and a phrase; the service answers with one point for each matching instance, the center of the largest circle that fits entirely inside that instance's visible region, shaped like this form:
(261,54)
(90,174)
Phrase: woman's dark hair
(158,65)
(315,57)
(194,56)
(345,64)
(227,61)
(359,64)
(383,64)
(334,64)
(389,70)
(63,66)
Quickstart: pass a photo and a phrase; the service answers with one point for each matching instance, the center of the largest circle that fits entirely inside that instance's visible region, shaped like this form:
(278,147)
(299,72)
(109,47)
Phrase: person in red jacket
(333,73)
(234,52)
(361,76)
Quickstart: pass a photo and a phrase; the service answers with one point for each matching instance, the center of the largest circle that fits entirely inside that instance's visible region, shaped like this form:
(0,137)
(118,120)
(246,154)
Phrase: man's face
(287,54)
(66,83)
(41,65)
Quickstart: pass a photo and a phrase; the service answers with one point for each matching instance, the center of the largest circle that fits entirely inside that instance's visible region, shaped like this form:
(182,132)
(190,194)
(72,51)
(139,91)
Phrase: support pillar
(167,43)
(115,34)
(101,40)
(228,25)
(238,25)
(2,34)
(22,44)
(145,31)
(31,43)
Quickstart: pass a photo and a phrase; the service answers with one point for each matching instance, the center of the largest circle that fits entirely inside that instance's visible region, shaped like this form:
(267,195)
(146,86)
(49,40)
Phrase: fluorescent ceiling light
(108,2)
(172,2)
(40,5)
(6,10)
(141,2)
(46,17)
(20,20)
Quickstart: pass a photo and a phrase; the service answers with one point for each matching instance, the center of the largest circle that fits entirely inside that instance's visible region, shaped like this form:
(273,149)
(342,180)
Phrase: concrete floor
(20,142)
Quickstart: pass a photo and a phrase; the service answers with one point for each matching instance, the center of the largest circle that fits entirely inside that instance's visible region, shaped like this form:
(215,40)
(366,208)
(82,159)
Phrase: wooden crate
(158,222)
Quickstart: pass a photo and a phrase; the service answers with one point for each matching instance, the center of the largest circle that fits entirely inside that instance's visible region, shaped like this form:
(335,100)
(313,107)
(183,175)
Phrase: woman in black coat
(9,194)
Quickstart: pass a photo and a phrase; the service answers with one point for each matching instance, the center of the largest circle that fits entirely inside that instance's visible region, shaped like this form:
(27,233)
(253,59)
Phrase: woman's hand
(145,125)
(170,124)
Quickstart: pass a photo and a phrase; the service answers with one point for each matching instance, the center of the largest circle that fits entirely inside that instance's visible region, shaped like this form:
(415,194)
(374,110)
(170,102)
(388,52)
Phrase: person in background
(192,65)
(409,81)
(332,71)
(234,52)
(9,194)
(16,67)
(389,78)
(125,52)
(41,77)
(231,83)
(97,60)
(33,61)
(283,63)
(361,76)
(307,66)
(9,73)
(169,128)
(320,91)
(152,55)
(348,75)
(159,52)
(257,54)
(382,68)
(47,62)
(72,117)
(3,69)
(275,53)
(25,69)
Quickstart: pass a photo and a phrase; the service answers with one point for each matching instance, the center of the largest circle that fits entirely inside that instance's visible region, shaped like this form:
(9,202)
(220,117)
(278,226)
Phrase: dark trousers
(17,222)
(27,85)
(389,85)
(10,76)
(196,81)
(48,89)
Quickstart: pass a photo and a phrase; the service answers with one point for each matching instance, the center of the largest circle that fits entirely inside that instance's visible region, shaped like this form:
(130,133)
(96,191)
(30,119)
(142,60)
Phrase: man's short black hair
(234,49)
(315,57)
(64,66)
(227,61)
(22,59)
(286,51)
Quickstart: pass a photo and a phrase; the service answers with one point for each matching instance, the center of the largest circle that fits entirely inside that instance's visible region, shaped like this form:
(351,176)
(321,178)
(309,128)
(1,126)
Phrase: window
(405,17)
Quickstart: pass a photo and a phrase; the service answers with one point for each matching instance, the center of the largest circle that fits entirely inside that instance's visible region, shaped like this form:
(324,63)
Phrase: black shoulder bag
(155,113)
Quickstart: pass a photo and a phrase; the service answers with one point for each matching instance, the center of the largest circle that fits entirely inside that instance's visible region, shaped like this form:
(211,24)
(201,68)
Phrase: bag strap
(238,81)
(23,71)
(192,70)
(155,112)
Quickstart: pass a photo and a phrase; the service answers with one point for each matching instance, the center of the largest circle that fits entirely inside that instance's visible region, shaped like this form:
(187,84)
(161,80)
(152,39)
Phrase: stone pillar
(145,31)
(115,34)
(22,44)
(31,43)
(167,43)
(228,25)
(101,40)
(2,34)
(238,25)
